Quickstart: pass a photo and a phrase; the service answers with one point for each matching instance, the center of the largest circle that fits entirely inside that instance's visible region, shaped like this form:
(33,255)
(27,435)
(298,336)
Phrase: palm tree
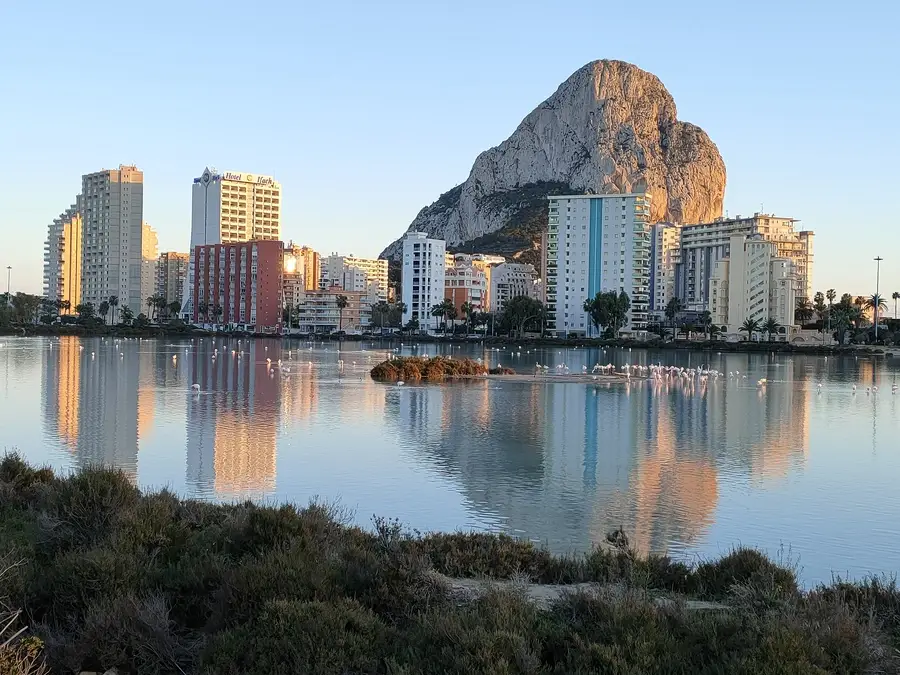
(174,307)
(217,312)
(66,305)
(468,309)
(400,308)
(831,294)
(442,309)
(113,303)
(381,308)
(103,310)
(770,327)
(151,303)
(706,324)
(842,320)
(876,303)
(451,315)
(341,305)
(673,307)
(203,310)
(126,314)
(896,296)
(804,311)
(750,326)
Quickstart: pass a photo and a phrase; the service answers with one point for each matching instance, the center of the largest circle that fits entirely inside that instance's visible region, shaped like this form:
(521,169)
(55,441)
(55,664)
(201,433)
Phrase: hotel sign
(248,178)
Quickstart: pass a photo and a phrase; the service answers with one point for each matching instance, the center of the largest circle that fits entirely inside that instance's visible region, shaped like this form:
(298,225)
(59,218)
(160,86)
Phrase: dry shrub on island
(418,368)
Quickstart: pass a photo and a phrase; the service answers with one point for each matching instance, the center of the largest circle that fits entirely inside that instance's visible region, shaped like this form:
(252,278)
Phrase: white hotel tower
(228,207)
(597,243)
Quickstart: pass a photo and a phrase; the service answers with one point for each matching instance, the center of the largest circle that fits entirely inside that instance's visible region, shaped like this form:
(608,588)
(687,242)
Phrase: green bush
(148,583)
(314,638)
(744,566)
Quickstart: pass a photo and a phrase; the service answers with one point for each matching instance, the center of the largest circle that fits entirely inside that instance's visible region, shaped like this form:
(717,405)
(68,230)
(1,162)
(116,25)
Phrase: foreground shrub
(315,638)
(748,567)
(499,556)
(126,633)
(153,584)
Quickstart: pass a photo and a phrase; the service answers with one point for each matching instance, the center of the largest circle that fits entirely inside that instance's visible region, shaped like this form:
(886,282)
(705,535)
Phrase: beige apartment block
(112,236)
(62,258)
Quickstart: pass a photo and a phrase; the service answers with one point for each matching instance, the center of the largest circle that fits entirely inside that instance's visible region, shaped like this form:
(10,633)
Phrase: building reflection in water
(91,398)
(232,423)
(567,463)
(61,393)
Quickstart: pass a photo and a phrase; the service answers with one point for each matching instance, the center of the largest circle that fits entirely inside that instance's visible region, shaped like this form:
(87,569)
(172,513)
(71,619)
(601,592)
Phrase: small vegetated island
(434,369)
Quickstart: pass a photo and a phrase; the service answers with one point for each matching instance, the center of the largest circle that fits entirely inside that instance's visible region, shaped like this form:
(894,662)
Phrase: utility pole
(8,278)
(878,260)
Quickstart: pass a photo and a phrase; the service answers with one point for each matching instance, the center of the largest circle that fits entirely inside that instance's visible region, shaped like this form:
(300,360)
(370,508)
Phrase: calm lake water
(811,474)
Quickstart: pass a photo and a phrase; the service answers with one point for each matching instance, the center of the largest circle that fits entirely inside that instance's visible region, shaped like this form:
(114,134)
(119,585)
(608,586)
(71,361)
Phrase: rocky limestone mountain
(610,128)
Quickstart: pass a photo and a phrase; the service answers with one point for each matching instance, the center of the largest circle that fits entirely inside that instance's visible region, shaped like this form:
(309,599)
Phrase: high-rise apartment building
(703,244)
(239,284)
(62,258)
(355,274)
(149,262)
(510,280)
(112,234)
(753,282)
(171,272)
(229,207)
(319,312)
(480,261)
(305,261)
(465,285)
(422,278)
(664,256)
(597,243)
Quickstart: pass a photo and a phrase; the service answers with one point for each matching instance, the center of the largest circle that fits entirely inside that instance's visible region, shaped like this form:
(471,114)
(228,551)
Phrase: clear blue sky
(367,111)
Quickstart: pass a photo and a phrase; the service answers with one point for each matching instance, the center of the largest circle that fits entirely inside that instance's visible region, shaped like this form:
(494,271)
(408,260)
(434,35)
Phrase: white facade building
(422,278)
(665,254)
(703,244)
(229,207)
(355,274)
(597,243)
(510,280)
(753,283)
(112,232)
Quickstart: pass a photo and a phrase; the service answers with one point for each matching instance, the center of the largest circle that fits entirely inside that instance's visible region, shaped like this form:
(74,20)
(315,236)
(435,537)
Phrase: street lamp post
(878,260)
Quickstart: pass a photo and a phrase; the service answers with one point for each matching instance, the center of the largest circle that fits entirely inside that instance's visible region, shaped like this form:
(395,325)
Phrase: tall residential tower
(597,243)
(422,278)
(62,258)
(112,234)
(704,244)
(229,207)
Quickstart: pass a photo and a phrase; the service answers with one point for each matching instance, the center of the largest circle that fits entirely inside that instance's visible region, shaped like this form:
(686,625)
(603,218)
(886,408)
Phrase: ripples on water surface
(691,472)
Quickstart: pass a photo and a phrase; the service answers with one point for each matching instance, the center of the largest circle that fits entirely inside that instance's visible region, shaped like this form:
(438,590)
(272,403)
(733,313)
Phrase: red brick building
(239,285)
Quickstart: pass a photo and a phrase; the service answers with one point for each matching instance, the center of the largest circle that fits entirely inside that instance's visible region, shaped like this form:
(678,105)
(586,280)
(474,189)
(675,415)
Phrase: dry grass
(149,583)
(416,369)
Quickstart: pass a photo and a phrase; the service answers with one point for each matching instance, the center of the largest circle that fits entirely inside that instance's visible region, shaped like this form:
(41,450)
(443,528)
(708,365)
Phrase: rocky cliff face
(611,127)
